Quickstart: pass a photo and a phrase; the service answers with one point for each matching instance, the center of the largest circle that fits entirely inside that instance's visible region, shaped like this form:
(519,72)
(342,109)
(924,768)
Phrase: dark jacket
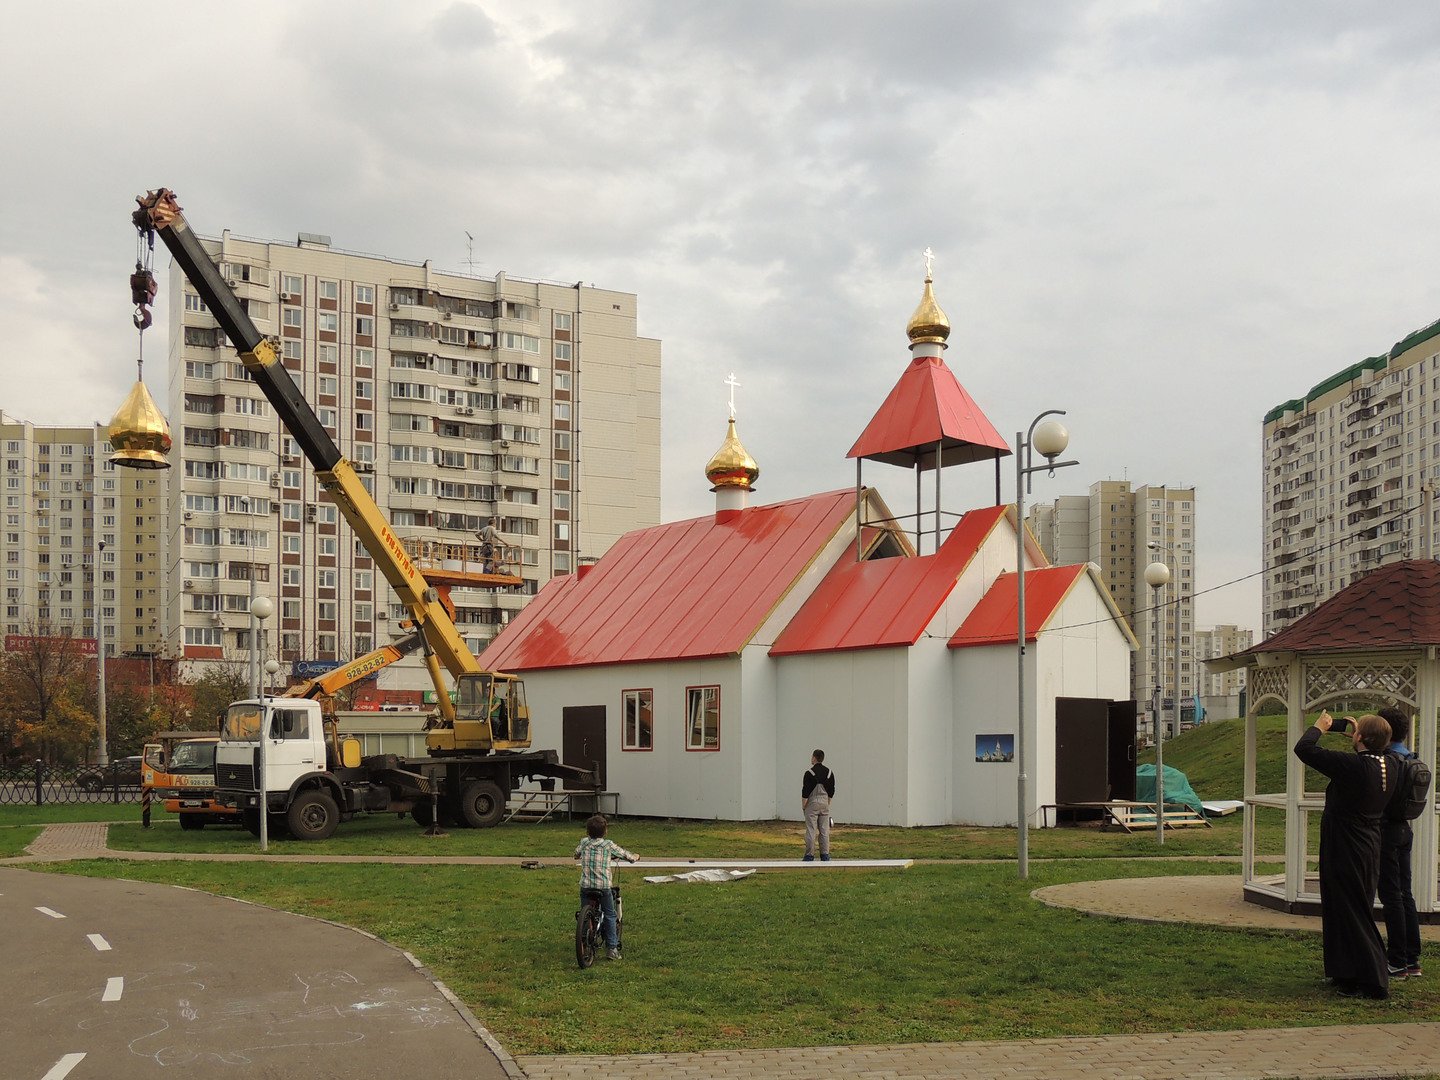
(817,776)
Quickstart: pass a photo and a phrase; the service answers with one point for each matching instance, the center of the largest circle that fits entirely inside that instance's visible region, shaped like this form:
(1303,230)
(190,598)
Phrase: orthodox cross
(929,258)
(732,382)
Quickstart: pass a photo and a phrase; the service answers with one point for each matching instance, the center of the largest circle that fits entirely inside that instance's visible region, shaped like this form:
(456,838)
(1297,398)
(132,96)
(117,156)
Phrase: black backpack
(1412,791)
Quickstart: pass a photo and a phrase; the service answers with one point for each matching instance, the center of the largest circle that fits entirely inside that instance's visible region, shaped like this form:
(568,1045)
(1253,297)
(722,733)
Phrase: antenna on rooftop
(470,251)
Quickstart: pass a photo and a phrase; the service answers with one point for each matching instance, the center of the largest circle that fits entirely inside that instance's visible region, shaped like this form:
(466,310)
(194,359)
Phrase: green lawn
(388,835)
(936,952)
(62,812)
(15,838)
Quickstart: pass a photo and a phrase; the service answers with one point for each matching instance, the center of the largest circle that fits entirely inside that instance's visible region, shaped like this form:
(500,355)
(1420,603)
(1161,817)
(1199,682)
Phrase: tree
(222,682)
(41,695)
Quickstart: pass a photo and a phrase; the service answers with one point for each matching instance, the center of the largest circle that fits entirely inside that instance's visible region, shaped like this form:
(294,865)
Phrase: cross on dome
(732,382)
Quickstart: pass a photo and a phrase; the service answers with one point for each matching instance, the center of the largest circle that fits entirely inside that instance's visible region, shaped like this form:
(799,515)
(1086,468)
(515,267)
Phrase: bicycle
(589,926)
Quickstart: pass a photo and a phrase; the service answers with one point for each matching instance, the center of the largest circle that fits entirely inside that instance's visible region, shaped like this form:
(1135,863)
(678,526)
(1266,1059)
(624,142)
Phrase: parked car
(124,771)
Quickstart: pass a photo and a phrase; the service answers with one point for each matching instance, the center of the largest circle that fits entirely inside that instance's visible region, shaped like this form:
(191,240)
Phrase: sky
(1163,217)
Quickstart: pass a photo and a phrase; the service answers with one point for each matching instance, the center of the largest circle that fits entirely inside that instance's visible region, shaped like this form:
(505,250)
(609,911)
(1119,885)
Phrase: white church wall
(668,781)
(984,680)
(929,749)
(854,706)
(759,742)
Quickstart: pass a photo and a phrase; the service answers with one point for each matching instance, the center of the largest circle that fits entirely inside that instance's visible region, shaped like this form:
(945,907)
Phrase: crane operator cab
(490,713)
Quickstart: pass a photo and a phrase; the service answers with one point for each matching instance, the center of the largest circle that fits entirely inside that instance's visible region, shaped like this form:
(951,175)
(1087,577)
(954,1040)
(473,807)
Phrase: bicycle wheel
(587,933)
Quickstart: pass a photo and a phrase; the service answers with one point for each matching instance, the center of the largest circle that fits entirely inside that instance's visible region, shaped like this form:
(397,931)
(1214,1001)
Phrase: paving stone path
(1364,1051)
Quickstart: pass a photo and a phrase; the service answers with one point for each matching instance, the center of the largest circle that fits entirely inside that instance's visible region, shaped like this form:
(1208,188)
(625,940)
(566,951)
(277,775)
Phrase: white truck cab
(293,750)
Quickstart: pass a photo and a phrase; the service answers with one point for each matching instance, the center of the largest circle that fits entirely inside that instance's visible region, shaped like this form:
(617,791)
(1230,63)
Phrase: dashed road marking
(101,945)
(61,1068)
(47,911)
(114,987)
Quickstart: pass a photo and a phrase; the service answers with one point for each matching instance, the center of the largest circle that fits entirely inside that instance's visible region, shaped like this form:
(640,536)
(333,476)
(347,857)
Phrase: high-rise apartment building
(1347,474)
(59,508)
(458,399)
(1115,526)
(1224,640)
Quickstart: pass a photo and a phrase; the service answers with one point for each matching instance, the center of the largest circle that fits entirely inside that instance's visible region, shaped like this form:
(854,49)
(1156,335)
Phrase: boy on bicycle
(596,856)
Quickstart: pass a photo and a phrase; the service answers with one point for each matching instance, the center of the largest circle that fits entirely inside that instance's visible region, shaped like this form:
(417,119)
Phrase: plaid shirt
(595,858)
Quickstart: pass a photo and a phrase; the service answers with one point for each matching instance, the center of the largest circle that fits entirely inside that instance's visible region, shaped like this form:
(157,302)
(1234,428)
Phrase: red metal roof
(993,622)
(684,590)
(863,605)
(1395,606)
(928,405)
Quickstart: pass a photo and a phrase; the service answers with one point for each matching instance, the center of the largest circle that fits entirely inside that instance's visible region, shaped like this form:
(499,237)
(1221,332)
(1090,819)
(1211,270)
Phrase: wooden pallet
(1131,816)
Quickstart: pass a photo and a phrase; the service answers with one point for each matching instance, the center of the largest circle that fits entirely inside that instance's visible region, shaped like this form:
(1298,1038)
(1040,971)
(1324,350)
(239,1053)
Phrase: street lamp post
(250,533)
(1174,556)
(1050,438)
(1157,574)
(261,609)
(102,756)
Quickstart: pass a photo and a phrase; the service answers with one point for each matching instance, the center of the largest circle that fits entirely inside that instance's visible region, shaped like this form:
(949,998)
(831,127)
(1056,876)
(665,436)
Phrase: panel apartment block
(59,507)
(1112,527)
(458,398)
(1348,474)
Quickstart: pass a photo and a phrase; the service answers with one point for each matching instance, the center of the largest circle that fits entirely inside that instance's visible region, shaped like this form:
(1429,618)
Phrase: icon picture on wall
(995,748)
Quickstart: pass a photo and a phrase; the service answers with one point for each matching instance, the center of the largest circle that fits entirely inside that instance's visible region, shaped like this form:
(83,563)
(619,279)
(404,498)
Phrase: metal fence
(38,784)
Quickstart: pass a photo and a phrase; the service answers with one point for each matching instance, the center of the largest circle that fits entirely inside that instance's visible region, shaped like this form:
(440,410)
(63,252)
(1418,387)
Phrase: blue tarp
(1177,787)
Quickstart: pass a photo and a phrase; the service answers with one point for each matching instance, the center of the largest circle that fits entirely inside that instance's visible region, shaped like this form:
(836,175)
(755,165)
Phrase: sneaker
(1397,972)
(808,858)
(824,858)
(1413,971)
(612,954)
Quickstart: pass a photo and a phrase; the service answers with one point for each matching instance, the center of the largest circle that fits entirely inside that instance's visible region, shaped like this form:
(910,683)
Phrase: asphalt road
(124,980)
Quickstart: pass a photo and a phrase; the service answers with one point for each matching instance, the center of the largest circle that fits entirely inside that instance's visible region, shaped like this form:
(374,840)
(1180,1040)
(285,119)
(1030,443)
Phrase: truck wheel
(313,816)
(189,822)
(482,804)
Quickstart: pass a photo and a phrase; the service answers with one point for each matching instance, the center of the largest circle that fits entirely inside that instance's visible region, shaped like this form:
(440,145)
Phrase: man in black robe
(1360,787)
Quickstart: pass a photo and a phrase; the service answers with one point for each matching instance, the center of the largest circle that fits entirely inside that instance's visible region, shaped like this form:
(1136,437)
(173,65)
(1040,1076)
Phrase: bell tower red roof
(928,406)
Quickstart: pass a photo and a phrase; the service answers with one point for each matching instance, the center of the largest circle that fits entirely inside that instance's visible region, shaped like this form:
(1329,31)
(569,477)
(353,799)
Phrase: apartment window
(194,303)
(328,610)
(364,326)
(328,320)
(327,579)
(293,284)
(562,350)
(290,575)
(562,320)
(562,500)
(562,470)
(562,410)
(293,316)
(329,290)
(292,544)
(364,389)
(562,380)
(364,356)
(364,294)
(327,545)
(638,709)
(702,718)
(292,349)
(562,440)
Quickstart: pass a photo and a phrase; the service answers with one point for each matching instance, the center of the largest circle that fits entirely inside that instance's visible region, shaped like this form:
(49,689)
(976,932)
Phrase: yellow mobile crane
(478,742)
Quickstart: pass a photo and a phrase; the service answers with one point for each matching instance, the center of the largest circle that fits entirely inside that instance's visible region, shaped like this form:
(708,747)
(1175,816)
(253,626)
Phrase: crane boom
(160,213)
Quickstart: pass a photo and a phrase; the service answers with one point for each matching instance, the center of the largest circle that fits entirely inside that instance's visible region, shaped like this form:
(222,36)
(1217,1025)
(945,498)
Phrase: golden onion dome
(139,434)
(929,323)
(732,466)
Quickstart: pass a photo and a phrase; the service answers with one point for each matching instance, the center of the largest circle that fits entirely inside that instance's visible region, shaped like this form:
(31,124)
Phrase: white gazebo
(1375,644)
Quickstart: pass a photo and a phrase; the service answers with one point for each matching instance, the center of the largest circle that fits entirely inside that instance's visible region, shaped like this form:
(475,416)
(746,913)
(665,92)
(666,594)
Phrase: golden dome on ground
(732,466)
(139,434)
(929,323)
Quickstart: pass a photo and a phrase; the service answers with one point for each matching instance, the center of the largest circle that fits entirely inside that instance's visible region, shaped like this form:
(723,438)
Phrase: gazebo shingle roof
(1396,605)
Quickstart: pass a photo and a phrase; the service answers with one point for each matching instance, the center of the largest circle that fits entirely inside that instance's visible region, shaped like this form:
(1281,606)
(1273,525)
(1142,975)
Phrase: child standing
(596,855)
